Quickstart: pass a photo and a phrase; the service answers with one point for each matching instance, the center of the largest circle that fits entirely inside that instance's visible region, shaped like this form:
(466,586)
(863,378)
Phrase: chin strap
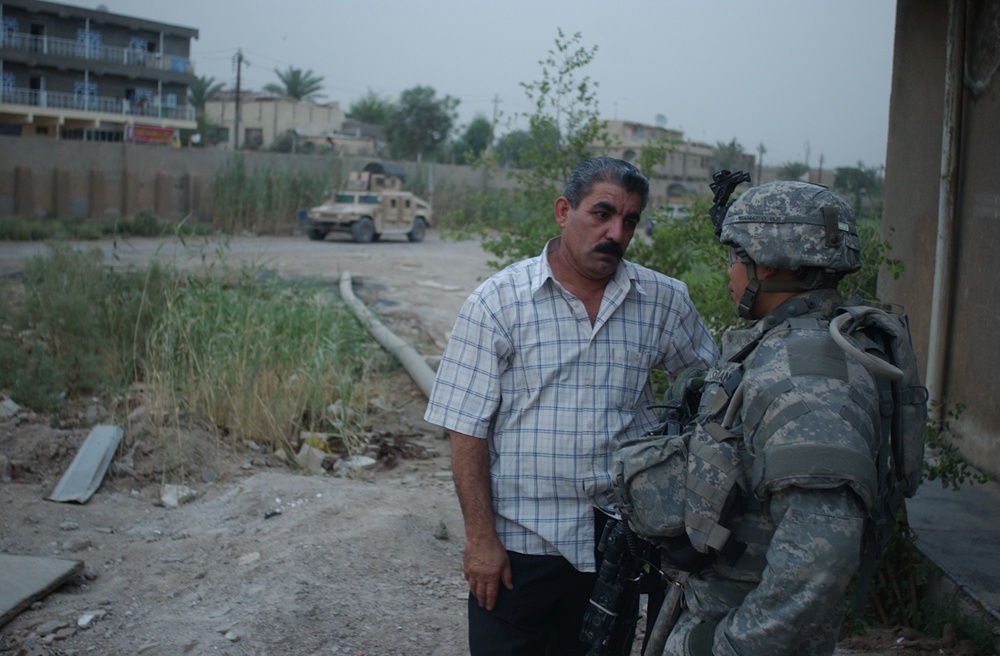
(814,279)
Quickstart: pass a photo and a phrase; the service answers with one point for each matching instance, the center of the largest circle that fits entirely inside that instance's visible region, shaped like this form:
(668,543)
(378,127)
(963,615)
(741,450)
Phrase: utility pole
(760,160)
(238,59)
(493,125)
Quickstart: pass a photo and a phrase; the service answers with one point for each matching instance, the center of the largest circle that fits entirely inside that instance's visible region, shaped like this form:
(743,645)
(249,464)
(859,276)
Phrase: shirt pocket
(627,377)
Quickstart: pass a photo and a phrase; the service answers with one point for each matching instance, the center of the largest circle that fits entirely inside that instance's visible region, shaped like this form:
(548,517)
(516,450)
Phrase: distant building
(73,73)
(266,118)
(687,169)
(686,161)
(630,138)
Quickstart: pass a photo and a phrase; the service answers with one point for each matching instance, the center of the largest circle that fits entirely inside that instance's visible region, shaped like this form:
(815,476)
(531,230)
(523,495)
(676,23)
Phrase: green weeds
(253,357)
(144,224)
(263,201)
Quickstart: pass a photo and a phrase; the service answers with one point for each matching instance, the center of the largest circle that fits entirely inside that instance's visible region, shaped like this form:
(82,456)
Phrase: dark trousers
(542,615)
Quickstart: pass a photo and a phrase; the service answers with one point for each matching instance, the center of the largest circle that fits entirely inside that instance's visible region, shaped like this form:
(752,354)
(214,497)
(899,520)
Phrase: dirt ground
(264,560)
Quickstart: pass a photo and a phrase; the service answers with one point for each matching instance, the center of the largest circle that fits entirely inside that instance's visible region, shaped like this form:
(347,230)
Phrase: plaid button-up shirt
(554,394)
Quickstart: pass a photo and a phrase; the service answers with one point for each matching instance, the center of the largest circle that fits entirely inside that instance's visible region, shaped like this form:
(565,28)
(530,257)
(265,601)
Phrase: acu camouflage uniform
(804,421)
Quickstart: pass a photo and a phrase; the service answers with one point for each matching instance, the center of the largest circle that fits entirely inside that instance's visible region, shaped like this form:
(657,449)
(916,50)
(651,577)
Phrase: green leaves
(687,249)
(420,123)
(296,83)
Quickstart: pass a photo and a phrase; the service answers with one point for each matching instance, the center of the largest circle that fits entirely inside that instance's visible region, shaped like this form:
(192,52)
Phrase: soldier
(802,418)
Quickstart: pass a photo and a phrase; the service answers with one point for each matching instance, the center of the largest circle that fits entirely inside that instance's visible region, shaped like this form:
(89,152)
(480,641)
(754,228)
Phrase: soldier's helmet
(790,225)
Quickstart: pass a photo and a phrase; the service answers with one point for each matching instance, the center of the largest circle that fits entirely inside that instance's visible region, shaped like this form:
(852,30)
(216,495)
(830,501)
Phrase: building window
(88,43)
(254,138)
(9,31)
(84,94)
(140,101)
(41,129)
(217,134)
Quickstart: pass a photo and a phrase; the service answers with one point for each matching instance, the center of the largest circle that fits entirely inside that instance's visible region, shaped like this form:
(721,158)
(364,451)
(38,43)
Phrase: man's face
(597,233)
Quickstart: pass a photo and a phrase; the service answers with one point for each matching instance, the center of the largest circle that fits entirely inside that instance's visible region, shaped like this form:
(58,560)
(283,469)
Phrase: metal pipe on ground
(413,362)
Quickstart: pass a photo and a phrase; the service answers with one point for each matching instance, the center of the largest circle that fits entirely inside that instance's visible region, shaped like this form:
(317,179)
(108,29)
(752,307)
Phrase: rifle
(610,620)
(723,184)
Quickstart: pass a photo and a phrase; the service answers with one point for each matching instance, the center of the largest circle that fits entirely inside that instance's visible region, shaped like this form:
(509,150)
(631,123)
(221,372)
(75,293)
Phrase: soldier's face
(738,279)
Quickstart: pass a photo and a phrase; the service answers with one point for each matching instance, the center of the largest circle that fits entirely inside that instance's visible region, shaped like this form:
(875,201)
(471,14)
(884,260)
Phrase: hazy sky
(807,78)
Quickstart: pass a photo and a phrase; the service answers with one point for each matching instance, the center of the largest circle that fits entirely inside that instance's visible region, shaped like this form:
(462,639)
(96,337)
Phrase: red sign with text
(151,134)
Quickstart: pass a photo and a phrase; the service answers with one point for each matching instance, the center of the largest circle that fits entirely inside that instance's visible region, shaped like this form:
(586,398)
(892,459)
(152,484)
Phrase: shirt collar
(625,276)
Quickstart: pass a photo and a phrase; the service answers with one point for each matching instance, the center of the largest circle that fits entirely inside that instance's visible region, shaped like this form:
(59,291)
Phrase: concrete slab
(25,579)
(84,475)
(959,530)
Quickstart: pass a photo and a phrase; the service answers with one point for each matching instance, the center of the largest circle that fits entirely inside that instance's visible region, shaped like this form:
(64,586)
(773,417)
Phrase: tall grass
(73,330)
(257,358)
(143,224)
(263,201)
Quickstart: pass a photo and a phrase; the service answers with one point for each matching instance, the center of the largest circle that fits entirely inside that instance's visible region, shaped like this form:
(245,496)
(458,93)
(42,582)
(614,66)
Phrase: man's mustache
(611,248)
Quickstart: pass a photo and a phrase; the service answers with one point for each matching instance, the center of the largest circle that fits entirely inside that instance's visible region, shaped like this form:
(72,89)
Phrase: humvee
(373,204)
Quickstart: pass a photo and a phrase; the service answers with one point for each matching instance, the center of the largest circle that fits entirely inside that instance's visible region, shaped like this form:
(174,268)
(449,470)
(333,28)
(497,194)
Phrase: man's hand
(486,566)
(486,562)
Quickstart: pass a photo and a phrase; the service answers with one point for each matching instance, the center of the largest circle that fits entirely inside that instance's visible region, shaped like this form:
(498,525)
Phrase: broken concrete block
(175,495)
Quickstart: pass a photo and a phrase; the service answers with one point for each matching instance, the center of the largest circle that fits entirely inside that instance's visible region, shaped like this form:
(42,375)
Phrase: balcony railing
(113,54)
(104,104)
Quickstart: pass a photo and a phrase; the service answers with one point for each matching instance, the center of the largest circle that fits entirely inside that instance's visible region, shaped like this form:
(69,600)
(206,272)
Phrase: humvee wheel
(418,230)
(363,230)
(316,234)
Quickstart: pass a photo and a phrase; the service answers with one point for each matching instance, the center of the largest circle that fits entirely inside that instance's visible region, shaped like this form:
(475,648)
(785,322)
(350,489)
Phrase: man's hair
(605,169)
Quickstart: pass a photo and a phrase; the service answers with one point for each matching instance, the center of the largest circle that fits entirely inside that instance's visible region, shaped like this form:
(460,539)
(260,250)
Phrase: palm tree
(296,83)
(202,90)
(728,156)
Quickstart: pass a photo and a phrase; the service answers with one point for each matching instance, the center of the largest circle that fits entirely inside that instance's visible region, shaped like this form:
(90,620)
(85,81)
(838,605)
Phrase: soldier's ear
(765,272)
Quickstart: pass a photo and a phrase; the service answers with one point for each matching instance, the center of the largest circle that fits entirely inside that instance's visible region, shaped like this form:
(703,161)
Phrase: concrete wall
(108,180)
(912,183)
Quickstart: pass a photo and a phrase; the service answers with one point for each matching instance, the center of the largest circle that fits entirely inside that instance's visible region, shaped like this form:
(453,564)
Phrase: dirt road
(263,560)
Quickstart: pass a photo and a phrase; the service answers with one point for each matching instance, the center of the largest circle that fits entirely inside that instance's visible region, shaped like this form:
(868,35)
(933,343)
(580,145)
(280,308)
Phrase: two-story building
(686,161)
(687,170)
(265,118)
(72,73)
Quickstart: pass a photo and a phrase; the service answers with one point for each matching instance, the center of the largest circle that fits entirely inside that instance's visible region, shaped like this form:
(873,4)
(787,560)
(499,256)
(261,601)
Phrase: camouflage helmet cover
(788,225)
